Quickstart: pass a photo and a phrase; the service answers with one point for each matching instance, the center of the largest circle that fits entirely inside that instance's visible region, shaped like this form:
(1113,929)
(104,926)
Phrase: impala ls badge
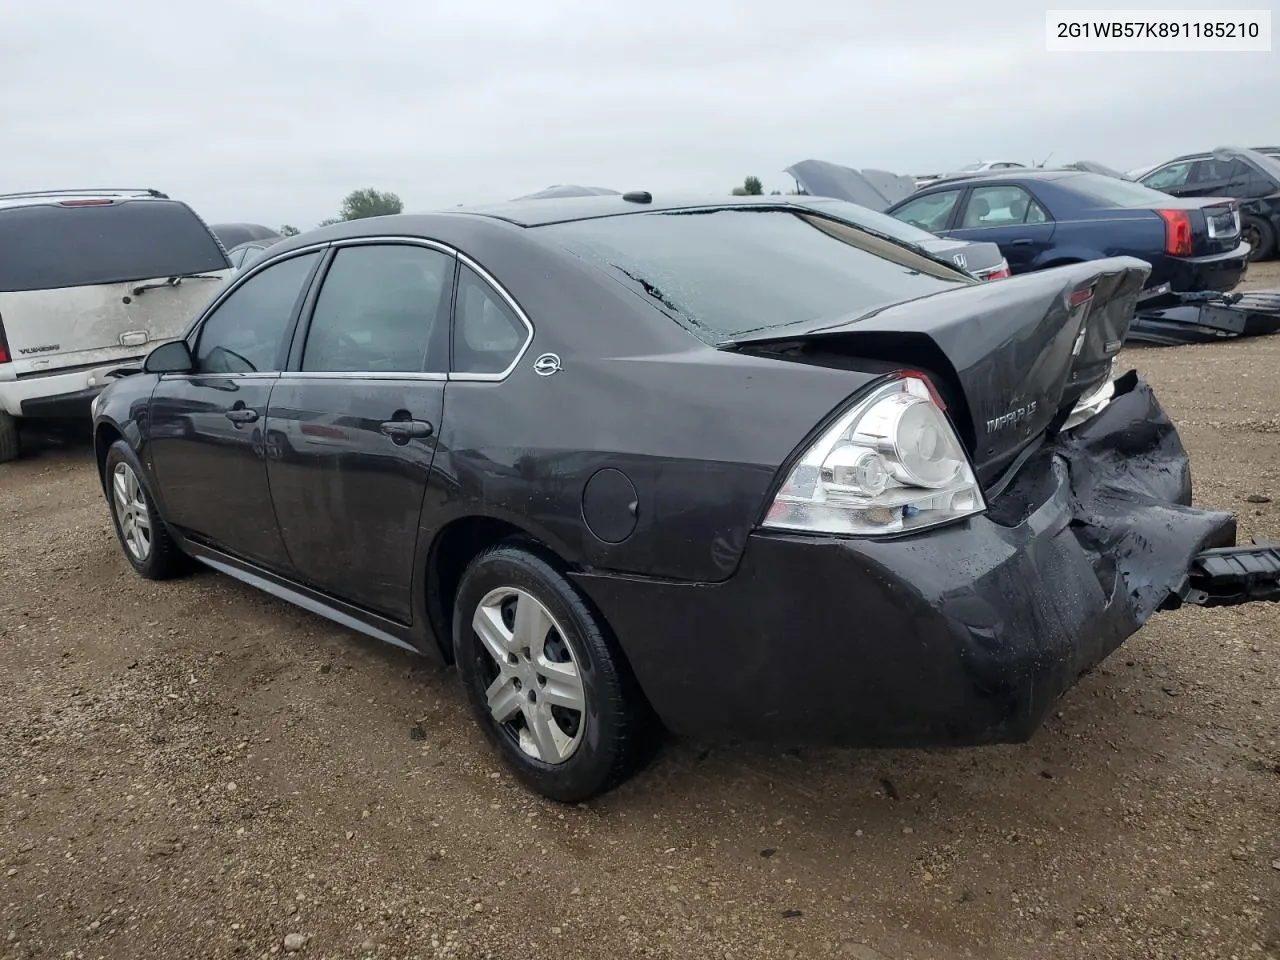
(1012,418)
(547,364)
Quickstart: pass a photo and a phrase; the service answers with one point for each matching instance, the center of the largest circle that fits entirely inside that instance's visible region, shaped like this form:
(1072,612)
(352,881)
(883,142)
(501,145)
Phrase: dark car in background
(1250,176)
(1047,218)
(735,467)
(232,235)
(245,253)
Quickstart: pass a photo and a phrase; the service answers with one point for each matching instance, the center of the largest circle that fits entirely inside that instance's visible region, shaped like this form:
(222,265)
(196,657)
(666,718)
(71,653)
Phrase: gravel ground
(194,769)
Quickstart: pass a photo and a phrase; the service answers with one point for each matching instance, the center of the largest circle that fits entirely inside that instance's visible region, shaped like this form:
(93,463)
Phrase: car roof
(27,198)
(997,176)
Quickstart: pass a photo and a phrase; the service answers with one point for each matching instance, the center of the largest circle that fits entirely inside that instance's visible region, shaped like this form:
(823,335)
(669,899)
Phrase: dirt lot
(196,770)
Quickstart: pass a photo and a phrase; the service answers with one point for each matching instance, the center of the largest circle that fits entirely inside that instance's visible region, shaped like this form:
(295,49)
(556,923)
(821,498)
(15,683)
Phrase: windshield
(47,246)
(1114,193)
(727,272)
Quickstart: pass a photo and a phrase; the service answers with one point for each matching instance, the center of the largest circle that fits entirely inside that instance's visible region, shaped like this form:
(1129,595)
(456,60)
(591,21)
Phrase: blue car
(1047,218)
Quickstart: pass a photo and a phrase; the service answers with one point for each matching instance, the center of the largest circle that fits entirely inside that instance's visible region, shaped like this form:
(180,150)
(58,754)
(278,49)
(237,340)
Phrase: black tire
(1261,236)
(163,559)
(619,731)
(9,445)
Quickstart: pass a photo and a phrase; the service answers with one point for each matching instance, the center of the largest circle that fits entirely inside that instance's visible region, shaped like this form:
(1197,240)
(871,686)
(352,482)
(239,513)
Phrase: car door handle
(242,415)
(402,431)
(1021,243)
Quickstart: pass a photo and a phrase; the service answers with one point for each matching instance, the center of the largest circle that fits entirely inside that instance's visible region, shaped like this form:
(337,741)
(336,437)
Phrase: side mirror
(172,357)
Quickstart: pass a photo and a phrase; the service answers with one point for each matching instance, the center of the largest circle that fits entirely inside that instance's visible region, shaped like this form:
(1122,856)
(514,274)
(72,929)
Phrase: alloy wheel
(535,692)
(131,511)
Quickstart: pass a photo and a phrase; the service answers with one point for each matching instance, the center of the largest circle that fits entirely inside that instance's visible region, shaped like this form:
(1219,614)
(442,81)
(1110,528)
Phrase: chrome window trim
(254,375)
(360,375)
(480,271)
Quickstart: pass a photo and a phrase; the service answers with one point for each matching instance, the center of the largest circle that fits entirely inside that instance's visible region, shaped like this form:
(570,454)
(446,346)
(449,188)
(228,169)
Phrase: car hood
(874,189)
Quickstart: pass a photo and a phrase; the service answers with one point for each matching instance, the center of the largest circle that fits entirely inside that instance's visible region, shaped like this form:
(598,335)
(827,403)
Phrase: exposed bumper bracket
(1226,576)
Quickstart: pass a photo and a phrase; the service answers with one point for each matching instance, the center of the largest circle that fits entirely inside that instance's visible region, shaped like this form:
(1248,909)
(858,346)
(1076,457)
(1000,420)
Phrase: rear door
(353,424)
(1008,216)
(206,432)
(89,281)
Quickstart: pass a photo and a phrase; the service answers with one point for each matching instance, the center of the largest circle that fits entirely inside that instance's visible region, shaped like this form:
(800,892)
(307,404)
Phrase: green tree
(752,186)
(289,230)
(369,203)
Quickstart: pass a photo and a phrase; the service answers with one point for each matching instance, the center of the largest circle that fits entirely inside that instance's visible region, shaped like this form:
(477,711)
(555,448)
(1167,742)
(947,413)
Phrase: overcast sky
(272,110)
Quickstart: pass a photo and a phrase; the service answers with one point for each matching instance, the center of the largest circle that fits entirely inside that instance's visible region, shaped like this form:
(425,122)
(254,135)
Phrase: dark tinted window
(377,310)
(49,246)
(731,271)
(1215,171)
(487,334)
(929,213)
(245,333)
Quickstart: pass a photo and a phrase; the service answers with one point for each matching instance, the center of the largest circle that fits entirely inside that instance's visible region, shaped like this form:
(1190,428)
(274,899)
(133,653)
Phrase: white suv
(90,280)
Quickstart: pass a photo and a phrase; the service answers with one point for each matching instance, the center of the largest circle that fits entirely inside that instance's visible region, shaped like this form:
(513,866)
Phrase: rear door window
(931,213)
(729,271)
(1001,207)
(378,310)
(50,246)
(246,331)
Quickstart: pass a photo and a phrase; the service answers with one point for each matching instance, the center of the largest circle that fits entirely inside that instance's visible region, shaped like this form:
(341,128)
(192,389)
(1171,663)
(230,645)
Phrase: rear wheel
(544,679)
(8,437)
(146,542)
(1260,235)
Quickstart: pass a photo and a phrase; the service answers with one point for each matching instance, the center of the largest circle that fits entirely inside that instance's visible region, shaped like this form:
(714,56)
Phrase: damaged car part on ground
(736,468)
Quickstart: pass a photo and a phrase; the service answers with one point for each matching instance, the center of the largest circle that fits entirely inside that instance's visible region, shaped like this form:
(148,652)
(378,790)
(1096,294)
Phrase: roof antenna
(1040,165)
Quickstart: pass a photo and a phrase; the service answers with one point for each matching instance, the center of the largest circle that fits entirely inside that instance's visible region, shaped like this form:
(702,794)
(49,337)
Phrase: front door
(206,433)
(1008,216)
(352,425)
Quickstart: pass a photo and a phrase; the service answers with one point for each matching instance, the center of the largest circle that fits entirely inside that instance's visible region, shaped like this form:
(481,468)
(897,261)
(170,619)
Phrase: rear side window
(245,333)
(487,335)
(50,246)
(1000,207)
(732,271)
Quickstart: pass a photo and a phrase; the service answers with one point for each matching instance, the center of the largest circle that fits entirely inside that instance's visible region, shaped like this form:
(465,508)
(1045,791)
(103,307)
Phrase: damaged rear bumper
(963,635)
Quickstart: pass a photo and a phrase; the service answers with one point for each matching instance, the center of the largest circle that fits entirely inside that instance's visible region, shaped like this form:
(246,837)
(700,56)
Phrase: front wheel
(544,678)
(142,534)
(1260,235)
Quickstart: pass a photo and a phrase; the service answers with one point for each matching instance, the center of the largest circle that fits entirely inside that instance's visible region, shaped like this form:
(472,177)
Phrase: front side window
(378,310)
(1172,176)
(932,212)
(1001,207)
(246,331)
(487,335)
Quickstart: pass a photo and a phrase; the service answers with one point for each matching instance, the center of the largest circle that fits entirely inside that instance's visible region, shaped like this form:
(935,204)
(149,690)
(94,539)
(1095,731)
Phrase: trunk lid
(1011,358)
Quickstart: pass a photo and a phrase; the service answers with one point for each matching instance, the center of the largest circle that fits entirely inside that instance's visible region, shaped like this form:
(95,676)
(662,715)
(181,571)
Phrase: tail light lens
(999,273)
(1177,232)
(4,344)
(891,464)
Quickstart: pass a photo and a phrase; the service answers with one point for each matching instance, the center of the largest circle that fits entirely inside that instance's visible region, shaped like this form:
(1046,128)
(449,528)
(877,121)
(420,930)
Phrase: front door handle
(1024,242)
(242,415)
(402,431)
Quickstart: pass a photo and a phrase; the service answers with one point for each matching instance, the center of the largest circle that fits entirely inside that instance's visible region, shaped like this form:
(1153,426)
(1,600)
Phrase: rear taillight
(4,344)
(892,463)
(999,273)
(1177,232)
(85,203)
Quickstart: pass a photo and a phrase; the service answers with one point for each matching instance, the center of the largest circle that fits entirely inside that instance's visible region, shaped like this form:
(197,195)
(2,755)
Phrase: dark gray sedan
(730,468)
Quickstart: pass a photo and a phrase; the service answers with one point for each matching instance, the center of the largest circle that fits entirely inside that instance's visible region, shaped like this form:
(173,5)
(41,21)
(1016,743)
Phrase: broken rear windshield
(47,246)
(726,272)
